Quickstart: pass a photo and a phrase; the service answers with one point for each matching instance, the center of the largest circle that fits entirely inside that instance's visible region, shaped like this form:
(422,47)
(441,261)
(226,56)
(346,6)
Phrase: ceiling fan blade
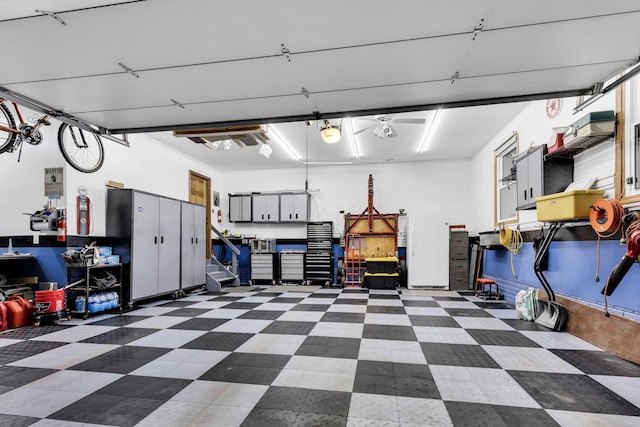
(413,121)
(369,119)
(363,130)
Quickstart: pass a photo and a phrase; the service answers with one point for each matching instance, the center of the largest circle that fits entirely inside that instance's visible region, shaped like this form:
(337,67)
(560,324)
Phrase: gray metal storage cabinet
(262,267)
(292,266)
(458,260)
(148,229)
(193,265)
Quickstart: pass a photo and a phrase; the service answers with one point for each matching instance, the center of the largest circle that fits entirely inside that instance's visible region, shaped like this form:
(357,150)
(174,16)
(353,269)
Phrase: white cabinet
(193,263)
(149,240)
(239,207)
(266,207)
(294,207)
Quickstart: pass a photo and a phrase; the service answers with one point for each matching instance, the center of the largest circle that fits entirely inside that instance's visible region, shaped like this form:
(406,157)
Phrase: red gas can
(19,312)
(3,317)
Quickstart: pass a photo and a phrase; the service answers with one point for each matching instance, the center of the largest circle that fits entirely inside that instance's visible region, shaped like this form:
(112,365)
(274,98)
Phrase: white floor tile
(8,341)
(626,387)
(486,323)
(383,292)
(318,301)
(295,378)
(221,416)
(222,313)
(173,414)
(299,294)
(347,308)
(210,305)
(301,316)
(165,369)
(167,338)
(457,304)
(443,335)
(415,298)
(150,311)
(426,311)
(275,306)
(188,355)
(158,322)
(529,359)
(65,356)
(338,366)
(502,313)
(57,423)
(359,295)
(74,381)
(370,422)
(340,330)
(272,344)
(391,351)
(387,319)
(374,406)
(197,298)
(75,334)
(243,395)
(305,363)
(250,326)
(581,419)
(201,392)
(253,299)
(385,302)
(480,385)
(333,381)
(558,340)
(423,412)
(31,402)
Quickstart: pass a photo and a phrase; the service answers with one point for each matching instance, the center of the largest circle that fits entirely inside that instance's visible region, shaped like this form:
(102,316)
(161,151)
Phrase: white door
(428,251)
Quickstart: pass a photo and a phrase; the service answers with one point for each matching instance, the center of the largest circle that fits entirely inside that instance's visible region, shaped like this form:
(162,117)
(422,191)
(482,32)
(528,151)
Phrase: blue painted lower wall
(48,265)
(571,273)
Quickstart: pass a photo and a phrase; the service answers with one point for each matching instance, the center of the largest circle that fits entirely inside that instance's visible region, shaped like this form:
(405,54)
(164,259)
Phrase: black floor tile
(16,420)
(121,360)
(572,393)
(434,321)
(241,374)
(261,314)
(389,332)
(385,309)
(223,341)
(119,320)
(343,317)
(226,298)
(505,338)
(327,402)
(457,355)
(374,368)
(415,387)
(476,414)
(242,305)
(347,348)
(144,387)
(599,363)
(120,336)
(23,349)
(355,291)
(286,300)
(311,307)
(115,410)
(418,303)
(467,312)
(410,370)
(285,398)
(199,324)
(351,301)
(523,325)
(383,296)
(258,360)
(17,376)
(259,417)
(450,298)
(177,304)
(289,328)
(494,305)
(324,295)
(28,332)
(267,294)
(373,384)
(308,419)
(187,312)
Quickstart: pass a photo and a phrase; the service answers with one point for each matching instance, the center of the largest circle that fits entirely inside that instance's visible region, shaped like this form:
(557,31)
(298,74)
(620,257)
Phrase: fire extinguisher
(62,227)
(219,216)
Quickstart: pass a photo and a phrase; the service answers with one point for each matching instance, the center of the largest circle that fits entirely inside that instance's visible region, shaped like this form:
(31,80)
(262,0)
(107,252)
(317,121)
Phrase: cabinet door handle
(196,240)
(262,216)
(290,216)
(192,240)
(161,239)
(531,192)
(296,216)
(155,240)
(268,216)
(525,194)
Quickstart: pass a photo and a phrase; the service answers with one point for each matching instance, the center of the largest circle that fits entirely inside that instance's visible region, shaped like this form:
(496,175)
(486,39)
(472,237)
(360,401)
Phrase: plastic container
(381,280)
(382,265)
(19,312)
(80,303)
(566,206)
(50,301)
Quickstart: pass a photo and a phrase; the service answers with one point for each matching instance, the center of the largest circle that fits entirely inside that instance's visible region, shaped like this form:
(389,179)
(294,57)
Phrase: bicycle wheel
(7,138)
(82,150)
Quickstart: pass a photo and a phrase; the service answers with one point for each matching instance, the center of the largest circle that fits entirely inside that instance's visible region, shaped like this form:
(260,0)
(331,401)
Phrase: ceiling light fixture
(226,144)
(432,126)
(330,134)
(354,143)
(265,150)
(383,130)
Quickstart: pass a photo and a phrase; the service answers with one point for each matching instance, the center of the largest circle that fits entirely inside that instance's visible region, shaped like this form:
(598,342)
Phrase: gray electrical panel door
(144,246)
(293,207)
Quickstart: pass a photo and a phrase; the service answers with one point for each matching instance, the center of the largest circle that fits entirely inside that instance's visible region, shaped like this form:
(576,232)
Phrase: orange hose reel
(606,216)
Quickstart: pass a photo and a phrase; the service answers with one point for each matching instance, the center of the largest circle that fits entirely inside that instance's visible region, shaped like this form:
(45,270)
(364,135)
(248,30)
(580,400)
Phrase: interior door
(169,246)
(144,246)
(200,194)
(428,251)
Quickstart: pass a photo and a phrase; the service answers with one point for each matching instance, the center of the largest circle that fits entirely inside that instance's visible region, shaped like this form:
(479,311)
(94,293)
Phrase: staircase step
(219,275)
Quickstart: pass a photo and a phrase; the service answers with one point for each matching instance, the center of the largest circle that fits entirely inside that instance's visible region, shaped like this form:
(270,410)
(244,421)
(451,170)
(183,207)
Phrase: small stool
(482,292)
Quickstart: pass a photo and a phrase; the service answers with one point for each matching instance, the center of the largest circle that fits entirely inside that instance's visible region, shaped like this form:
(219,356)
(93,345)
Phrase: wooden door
(200,194)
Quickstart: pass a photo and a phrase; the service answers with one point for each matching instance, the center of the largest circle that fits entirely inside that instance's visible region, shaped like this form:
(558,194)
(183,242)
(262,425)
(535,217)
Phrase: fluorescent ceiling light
(292,153)
(354,142)
(327,163)
(432,126)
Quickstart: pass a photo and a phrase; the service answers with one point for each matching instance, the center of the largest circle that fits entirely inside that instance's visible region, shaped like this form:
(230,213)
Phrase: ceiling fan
(382,126)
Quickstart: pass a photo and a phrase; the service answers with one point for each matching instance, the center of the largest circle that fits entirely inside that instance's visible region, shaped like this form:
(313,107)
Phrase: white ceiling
(224,63)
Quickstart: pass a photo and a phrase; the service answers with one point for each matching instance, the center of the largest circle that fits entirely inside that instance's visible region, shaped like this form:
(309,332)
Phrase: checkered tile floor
(328,358)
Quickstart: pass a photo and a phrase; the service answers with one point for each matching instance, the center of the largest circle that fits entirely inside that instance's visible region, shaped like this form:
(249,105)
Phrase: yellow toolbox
(566,206)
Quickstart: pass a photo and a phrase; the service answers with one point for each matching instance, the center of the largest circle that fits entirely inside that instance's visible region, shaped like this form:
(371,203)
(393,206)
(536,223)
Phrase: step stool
(487,289)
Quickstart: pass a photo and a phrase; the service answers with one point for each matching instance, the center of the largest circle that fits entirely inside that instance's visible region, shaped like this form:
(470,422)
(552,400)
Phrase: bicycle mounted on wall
(83,152)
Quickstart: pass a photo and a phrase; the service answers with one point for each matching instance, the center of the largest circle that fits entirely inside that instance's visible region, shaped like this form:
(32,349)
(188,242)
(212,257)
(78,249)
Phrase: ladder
(352,260)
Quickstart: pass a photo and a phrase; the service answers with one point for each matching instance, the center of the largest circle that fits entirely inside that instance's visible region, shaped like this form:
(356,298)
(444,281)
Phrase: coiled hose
(512,240)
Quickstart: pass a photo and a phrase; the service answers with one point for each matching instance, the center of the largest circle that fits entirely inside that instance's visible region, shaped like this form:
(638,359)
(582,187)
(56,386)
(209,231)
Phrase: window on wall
(505,191)
(628,141)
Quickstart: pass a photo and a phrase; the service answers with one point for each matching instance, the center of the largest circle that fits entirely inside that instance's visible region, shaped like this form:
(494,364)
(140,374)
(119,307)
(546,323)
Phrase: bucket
(50,301)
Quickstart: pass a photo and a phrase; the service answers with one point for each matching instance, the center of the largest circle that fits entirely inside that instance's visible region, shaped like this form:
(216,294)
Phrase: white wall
(535,128)
(416,187)
(146,165)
